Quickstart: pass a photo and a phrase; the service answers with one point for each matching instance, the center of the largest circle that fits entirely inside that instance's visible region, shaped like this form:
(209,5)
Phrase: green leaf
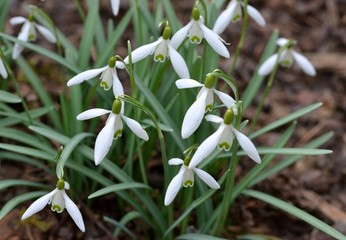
(120,226)
(9,97)
(150,123)
(299,213)
(27,151)
(117,187)
(256,237)
(125,219)
(197,236)
(15,182)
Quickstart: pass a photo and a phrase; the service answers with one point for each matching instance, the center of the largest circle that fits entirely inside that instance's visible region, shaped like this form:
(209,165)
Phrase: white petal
(119,64)
(281,41)
(207,178)
(256,15)
(136,128)
(115,6)
(38,205)
(179,36)
(178,63)
(174,187)
(206,147)
(304,63)
(225,98)
(66,185)
(268,65)
(187,83)
(17,20)
(194,116)
(23,36)
(117,86)
(86,75)
(246,144)
(143,51)
(213,118)
(175,161)
(92,113)
(214,41)
(104,140)
(3,71)
(74,212)
(225,18)
(46,33)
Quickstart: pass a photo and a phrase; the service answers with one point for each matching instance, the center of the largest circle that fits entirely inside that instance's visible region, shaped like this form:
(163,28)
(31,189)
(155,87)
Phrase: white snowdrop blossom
(223,138)
(204,103)
(112,129)
(3,71)
(233,13)
(185,178)
(115,4)
(109,77)
(162,49)
(286,59)
(28,33)
(59,201)
(196,30)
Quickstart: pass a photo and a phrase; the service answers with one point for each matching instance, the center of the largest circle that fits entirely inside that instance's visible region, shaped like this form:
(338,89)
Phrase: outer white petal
(256,15)
(225,18)
(282,41)
(194,116)
(92,113)
(178,63)
(104,140)
(46,33)
(179,36)
(187,83)
(206,147)
(117,86)
(86,75)
(66,185)
(120,65)
(225,98)
(23,35)
(175,161)
(213,118)
(74,212)
(136,128)
(17,20)
(214,41)
(246,144)
(38,205)
(207,178)
(174,186)
(115,6)
(3,71)
(268,65)
(143,51)
(304,63)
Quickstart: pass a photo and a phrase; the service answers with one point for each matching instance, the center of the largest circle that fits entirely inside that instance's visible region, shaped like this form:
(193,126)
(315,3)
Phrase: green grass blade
(125,219)
(120,226)
(9,97)
(289,208)
(197,236)
(117,187)
(15,182)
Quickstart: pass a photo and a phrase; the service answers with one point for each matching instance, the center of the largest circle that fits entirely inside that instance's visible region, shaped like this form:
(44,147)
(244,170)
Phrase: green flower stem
(79,9)
(187,203)
(241,40)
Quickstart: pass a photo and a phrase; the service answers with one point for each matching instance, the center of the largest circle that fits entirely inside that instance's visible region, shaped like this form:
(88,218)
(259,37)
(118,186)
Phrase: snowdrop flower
(112,129)
(204,103)
(109,77)
(28,33)
(286,59)
(233,13)
(162,49)
(185,178)
(3,71)
(59,201)
(196,30)
(223,138)
(115,6)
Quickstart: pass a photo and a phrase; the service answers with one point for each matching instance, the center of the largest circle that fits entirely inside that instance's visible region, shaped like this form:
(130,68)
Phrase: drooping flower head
(233,13)
(28,32)
(162,49)
(59,200)
(204,102)
(196,30)
(223,139)
(109,77)
(185,178)
(112,129)
(286,58)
